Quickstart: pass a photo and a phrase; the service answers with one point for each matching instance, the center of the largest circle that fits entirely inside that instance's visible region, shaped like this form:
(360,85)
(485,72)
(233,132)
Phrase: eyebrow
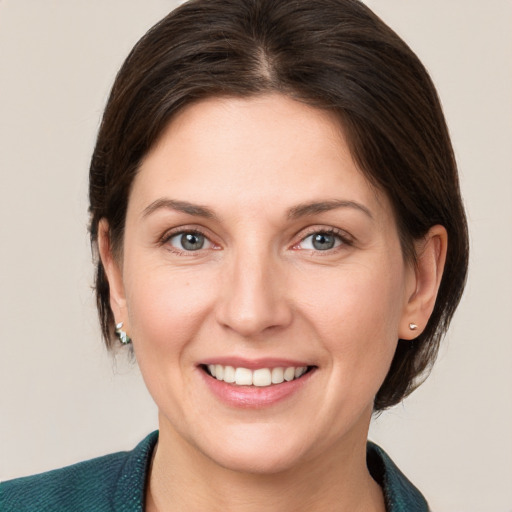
(305,209)
(179,206)
(301,210)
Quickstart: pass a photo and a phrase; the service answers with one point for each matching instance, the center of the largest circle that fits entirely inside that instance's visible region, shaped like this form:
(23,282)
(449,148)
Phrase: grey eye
(321,241)
(188,241)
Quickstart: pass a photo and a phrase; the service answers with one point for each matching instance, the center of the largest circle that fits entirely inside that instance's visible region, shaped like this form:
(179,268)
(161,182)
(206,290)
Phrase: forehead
(267,148)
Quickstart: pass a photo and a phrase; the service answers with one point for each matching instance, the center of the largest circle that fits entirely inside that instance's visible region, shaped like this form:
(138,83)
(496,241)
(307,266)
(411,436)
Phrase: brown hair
(333,54)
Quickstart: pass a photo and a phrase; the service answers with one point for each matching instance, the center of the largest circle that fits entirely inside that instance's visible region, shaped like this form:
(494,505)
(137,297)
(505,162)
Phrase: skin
(258,288)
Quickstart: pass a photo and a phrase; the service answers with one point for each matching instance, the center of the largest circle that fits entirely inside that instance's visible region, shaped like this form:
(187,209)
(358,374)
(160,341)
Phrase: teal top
(117,483)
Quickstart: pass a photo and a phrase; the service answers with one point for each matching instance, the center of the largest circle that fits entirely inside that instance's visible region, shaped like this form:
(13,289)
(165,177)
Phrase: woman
(275,207)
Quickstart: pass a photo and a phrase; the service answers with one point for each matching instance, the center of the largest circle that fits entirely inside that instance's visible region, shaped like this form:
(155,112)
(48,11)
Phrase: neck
(183,479)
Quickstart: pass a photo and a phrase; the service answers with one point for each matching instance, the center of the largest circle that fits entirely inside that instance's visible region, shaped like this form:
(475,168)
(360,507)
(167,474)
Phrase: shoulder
(80,486)
(399,493)
(96,484)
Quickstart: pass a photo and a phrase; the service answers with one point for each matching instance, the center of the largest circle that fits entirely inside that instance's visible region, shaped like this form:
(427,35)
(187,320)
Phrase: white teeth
(219,372)
(243,377)
(289,374)
(261,377)
(229,374)
(277,375)
(300,371)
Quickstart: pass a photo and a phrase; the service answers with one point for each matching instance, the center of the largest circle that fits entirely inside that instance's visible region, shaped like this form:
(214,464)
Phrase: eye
(189,241)
(321,241)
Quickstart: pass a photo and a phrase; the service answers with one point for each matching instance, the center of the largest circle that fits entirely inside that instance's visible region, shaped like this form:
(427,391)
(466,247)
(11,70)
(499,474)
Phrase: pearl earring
(123,337)
(413,327)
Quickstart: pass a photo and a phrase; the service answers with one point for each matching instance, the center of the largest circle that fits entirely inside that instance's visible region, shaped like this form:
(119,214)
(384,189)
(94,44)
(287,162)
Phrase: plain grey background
(64,399)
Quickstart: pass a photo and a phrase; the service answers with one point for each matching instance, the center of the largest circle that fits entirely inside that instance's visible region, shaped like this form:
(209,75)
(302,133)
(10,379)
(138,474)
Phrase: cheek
(356,314)
(166,308)
(367,298)
(166,311)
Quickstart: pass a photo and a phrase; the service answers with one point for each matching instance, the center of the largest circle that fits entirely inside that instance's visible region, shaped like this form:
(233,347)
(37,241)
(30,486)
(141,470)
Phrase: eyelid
(346,238)
(181,230)
(179,236)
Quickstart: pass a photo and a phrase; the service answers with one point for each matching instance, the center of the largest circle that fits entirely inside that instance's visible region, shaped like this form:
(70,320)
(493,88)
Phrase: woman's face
(254,245)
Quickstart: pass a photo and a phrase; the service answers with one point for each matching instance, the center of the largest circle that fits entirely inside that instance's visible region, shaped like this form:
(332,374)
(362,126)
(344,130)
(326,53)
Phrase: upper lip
(254,364)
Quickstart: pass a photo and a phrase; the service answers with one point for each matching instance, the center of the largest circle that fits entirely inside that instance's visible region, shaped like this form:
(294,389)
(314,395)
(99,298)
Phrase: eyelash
(169,235)
(342,236)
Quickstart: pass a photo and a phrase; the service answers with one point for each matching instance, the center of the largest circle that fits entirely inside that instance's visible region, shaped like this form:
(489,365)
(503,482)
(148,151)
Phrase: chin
(257,462)
(256,450)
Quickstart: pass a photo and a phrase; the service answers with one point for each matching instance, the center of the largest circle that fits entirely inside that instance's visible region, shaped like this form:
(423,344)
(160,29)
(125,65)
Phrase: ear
(428,271)
(113,272)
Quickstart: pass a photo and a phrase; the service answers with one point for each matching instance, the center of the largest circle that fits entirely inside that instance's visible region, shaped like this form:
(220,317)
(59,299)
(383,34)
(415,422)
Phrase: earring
(123,337)
(413,327)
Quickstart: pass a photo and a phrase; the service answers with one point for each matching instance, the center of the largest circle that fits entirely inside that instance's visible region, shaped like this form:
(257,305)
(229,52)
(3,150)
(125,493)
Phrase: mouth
(258,377)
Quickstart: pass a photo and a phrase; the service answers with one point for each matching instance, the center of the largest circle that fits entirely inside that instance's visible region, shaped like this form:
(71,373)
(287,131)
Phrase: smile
(260,377)
(255,384)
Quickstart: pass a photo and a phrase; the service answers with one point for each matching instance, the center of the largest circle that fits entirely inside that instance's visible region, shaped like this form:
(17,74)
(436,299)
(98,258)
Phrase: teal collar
(399,493)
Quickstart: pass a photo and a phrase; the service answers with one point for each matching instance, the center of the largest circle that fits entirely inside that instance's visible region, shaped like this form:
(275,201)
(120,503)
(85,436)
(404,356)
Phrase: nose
(254,295)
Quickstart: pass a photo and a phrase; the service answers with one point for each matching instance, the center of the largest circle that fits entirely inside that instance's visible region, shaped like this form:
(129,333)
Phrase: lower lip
(254,397)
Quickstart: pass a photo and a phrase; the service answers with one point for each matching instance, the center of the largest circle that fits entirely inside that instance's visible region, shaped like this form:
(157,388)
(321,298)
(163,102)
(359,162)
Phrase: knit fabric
(111,483)
(400,494)
(117,483)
